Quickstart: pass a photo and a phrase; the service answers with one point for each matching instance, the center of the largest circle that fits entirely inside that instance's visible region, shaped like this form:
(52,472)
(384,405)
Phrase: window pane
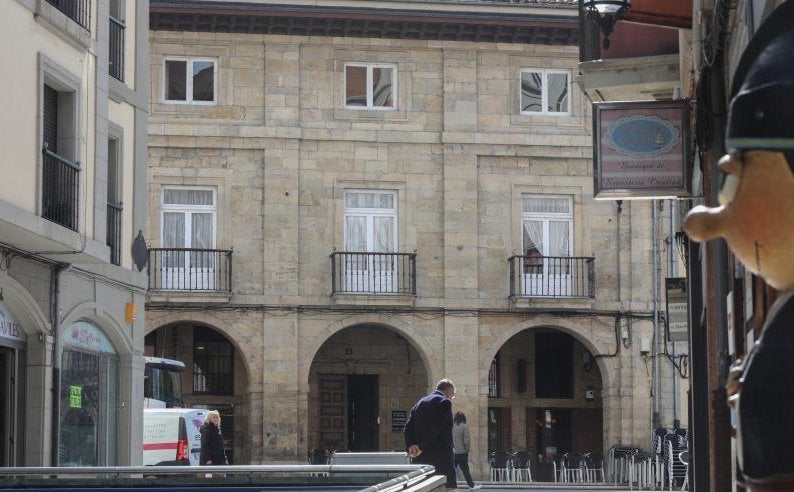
(382,87)
(531,91)
(355,233)
(558,92)
(175,80)
(369,200)
(187,197)
(355,86)
(533,238)
(559,238)
(174,237)
(203,81)
(384,234)
(80,412)
(545,205)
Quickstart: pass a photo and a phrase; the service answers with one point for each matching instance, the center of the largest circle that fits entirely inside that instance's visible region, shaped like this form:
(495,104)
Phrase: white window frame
(370,67)
(544,91)
(546,281)
(370,214)
(185,272)
(189,210)
(189,80)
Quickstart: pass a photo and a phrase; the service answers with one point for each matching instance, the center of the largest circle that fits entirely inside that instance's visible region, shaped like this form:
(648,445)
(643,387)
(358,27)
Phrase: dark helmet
(761,113)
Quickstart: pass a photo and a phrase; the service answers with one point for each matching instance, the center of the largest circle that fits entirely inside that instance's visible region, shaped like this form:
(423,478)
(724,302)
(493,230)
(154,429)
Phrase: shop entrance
(7,380)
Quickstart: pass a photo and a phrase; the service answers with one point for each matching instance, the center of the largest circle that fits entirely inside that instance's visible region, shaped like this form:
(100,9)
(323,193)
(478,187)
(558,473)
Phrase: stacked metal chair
(520,469)
(500,466)
(594,468)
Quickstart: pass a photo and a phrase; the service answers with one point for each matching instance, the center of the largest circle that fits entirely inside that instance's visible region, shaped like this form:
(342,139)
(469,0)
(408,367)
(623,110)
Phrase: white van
(172,436)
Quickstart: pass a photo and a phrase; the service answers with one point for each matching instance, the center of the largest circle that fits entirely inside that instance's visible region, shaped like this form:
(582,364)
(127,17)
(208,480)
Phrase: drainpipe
(55,316)
(656,385)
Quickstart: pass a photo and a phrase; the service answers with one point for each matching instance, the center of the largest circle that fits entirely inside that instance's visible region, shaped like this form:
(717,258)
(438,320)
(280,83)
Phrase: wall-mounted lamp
(605,13)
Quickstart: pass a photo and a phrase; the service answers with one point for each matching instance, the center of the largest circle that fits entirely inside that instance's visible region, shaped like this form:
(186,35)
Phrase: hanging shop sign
(9,327)
(677,312)
(641,150)
(87,336)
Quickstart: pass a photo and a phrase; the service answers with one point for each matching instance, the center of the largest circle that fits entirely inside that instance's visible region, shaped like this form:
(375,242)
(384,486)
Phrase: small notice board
(398,420)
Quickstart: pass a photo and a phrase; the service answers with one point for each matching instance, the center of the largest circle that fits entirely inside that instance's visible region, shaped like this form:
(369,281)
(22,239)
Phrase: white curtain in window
(173,237)
(356,241)
(558,238)
(557,93)
(179,196)
(201,238)
(533,236)
(384,234)
(382,87)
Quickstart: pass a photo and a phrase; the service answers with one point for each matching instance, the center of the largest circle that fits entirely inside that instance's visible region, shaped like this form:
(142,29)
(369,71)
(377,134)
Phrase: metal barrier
(416,478)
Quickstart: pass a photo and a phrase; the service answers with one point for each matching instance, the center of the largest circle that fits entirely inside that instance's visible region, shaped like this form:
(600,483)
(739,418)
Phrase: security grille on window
(189,80)
(213,363)
(370,86)
(545,92)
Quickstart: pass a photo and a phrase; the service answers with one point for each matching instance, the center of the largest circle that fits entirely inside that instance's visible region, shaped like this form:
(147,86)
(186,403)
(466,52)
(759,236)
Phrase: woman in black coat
(212,441)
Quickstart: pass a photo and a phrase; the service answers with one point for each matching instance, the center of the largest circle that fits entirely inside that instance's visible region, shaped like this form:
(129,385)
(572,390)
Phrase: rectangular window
(189,80)
(188,237)
(370,86)
(116,40)
(60,171)
(545,92)
(547,246)
(553,365)
(493,378)
(114,210)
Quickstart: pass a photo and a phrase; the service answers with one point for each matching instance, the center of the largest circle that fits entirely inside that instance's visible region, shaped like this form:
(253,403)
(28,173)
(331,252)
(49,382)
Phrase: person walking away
(428,431)
(212,452)
(461,443)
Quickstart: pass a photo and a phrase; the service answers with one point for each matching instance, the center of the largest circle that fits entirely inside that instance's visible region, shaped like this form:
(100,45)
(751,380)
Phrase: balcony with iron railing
(373,273)
(116,48)
(60,189)
(77,10)
(189,270)
(552,276)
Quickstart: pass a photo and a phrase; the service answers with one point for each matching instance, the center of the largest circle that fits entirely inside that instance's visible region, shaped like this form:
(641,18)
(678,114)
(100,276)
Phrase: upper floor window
(370,86)
(116,39)
(370,221)
(60,186)
(545,92)
(114,193)
(547,227)
(189,80)
(188,218)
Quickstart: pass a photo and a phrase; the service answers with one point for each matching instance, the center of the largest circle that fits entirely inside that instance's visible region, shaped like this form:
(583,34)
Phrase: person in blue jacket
(428,431)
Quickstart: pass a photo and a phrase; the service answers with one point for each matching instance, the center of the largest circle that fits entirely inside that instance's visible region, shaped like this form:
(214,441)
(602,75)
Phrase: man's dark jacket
(430,427)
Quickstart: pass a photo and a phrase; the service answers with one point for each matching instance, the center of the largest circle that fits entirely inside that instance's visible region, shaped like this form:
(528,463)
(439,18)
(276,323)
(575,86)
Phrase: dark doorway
(362,412)
(6,406)
(553,365)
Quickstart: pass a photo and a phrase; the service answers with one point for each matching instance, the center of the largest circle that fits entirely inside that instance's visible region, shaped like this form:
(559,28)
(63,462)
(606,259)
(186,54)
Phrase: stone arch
(94,312)
(24,307)
(417,341)
(214,323)
(570,326)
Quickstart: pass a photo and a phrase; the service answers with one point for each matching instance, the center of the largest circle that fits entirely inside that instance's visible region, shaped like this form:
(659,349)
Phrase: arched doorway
(362,384)
(544,396)
(215,377)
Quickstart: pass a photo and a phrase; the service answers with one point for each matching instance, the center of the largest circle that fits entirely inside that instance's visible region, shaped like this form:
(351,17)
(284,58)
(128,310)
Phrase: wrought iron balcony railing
(190,269)
(114,232)
(373,273)
(77,10)
(552,276)
(60,189)
(116,42)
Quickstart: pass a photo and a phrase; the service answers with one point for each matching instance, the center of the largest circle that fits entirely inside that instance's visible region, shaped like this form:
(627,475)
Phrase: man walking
(428,432)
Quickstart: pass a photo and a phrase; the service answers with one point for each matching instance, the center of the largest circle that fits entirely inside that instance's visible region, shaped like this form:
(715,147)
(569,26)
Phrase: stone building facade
(72,201)
(344,214)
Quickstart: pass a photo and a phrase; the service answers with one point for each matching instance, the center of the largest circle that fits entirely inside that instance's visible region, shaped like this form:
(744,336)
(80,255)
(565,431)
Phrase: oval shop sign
(641,136)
